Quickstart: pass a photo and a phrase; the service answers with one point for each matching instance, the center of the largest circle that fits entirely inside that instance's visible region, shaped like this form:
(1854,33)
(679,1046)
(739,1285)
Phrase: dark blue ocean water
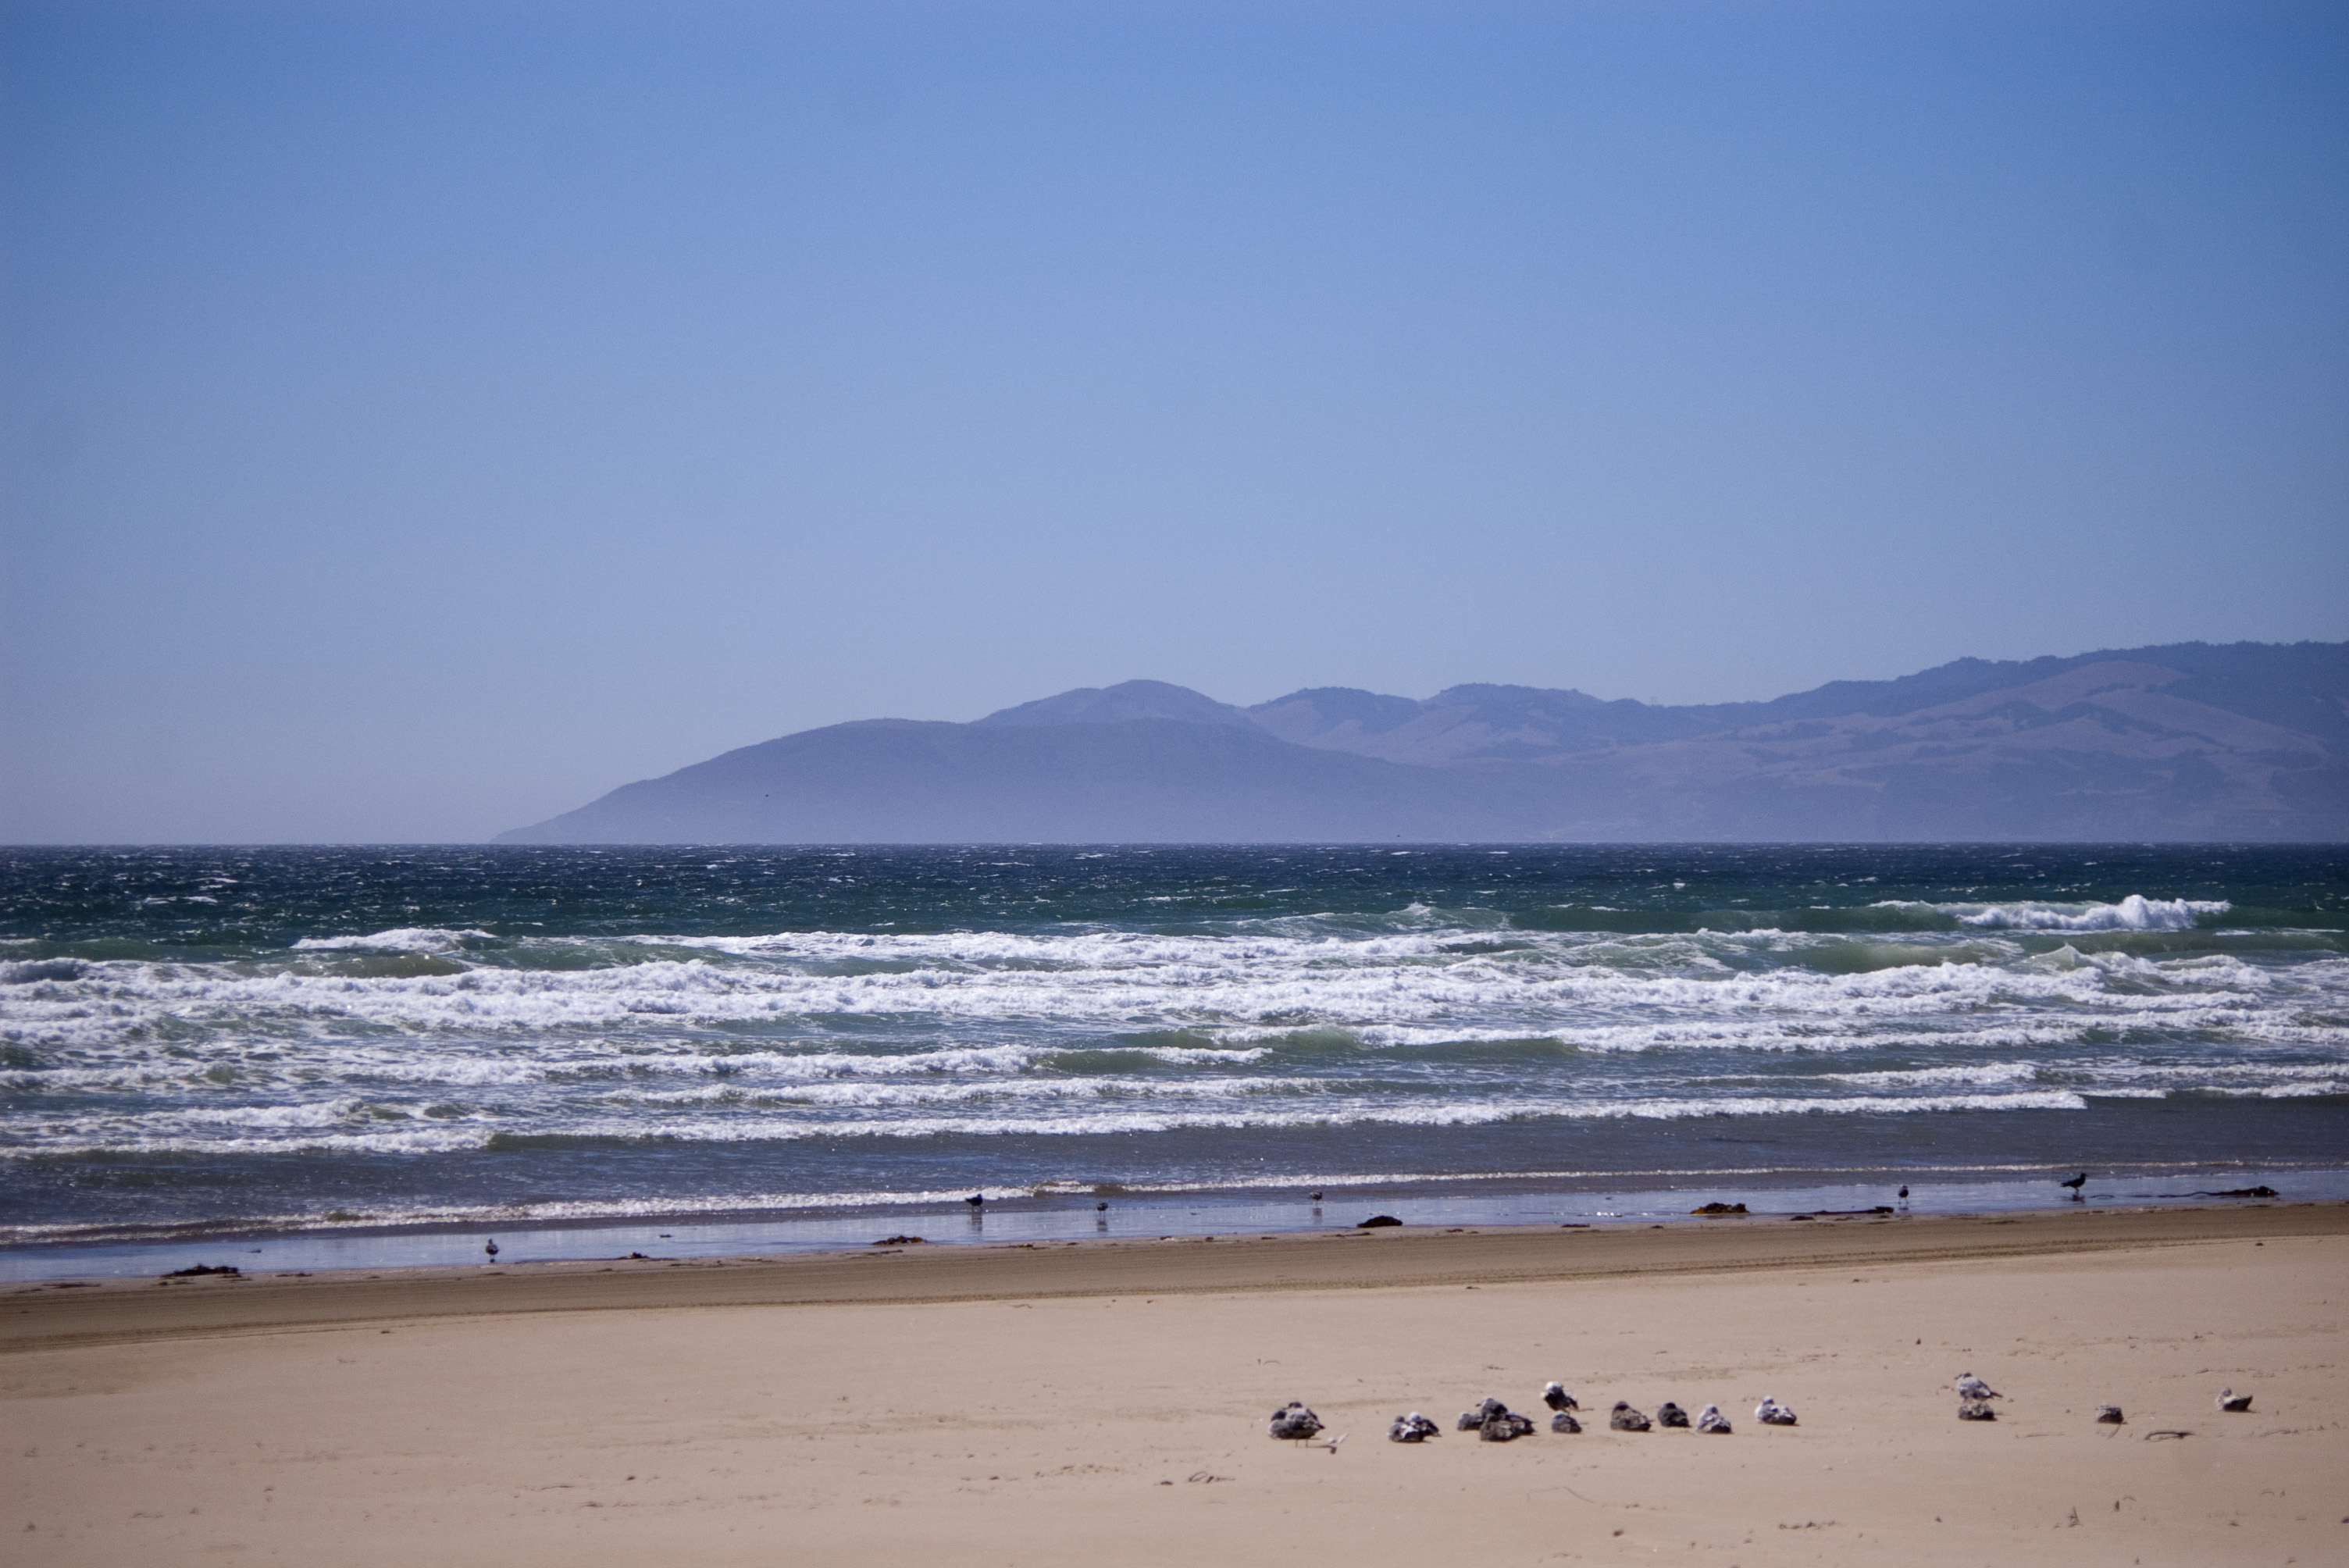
(408,1043)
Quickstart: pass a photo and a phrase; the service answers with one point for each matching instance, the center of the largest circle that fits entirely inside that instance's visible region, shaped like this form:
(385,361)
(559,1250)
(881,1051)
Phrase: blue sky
(417,418)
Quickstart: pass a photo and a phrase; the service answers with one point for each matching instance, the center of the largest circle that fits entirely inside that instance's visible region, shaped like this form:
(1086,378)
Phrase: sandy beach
(1095,1402)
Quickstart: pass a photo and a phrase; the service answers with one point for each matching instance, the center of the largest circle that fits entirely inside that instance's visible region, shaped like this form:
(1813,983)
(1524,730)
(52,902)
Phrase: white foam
(406,939)
(1286,1022)
(2135,912)
(1122,1120)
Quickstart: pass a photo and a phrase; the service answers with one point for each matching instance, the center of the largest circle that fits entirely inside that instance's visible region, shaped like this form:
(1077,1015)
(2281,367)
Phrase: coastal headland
(1072,1402)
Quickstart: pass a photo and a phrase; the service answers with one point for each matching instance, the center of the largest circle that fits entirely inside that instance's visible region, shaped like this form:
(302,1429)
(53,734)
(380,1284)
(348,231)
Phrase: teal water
(332,1042)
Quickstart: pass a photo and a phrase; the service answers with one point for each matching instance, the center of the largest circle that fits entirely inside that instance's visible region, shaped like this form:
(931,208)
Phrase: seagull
(1098,1207)
(2231,1401)
(2076,1183)
(1711,1419)
(1904,1193)
(1976,1411)
(1770,1413)
(1411,1429)
(1295,1422)
(1315,1196)
(2110,1415)
(976,1201)
(1973,1388)
(1557,1397)
(1623,1418)
(1501,1424)
(1564,1421)
(490,1247)
(1485,1411)
(1671,1415)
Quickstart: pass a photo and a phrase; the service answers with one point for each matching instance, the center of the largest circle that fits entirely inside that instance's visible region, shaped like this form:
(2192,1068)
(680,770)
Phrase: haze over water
(206,1040)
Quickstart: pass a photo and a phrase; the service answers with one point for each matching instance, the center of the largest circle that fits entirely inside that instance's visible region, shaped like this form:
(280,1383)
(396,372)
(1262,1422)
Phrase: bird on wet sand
(1711,1419)
(490,1247)
(2076,1183)
(2231,1401)
(1669,1414)
(1770,1413)
(2110,1415)
(1557,1397)
(1973,1388)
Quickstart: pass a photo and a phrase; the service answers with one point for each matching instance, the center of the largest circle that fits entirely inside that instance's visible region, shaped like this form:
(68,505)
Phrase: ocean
(354,1055)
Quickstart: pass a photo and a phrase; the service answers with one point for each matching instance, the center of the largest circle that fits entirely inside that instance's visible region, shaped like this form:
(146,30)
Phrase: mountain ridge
(2180,741)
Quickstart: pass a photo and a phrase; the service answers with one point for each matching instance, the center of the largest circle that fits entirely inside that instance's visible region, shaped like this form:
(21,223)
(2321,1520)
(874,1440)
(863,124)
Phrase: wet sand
(1066,1403)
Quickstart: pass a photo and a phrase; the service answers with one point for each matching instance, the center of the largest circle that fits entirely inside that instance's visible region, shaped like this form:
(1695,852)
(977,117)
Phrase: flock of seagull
(1495,1422)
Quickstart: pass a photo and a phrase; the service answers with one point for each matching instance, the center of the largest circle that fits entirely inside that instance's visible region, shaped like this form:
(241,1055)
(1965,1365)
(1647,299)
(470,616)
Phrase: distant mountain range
(2187,742)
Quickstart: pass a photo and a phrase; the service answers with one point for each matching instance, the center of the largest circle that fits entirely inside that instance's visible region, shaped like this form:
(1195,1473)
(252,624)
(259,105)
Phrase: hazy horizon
(417,418)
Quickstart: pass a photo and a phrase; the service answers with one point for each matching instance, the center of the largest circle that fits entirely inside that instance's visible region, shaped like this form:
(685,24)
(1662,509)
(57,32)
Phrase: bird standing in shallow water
(976,1201)
(2076,1183)
(490,1247)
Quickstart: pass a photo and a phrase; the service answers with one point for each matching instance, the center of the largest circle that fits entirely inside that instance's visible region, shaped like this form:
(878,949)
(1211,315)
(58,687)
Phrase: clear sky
(419,419)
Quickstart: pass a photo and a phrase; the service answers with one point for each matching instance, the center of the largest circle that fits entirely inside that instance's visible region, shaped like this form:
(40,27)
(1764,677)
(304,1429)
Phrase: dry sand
(1106,1401)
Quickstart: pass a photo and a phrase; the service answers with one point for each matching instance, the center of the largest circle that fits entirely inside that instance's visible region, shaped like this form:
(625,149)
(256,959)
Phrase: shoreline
(58,1315)
(1071,1213)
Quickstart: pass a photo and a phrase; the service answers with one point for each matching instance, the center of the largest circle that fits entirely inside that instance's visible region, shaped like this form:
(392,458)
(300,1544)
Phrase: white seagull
(1557,1397)
(1711,1419)
(1973,1388)
(2231,1401)
(1770,1413)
